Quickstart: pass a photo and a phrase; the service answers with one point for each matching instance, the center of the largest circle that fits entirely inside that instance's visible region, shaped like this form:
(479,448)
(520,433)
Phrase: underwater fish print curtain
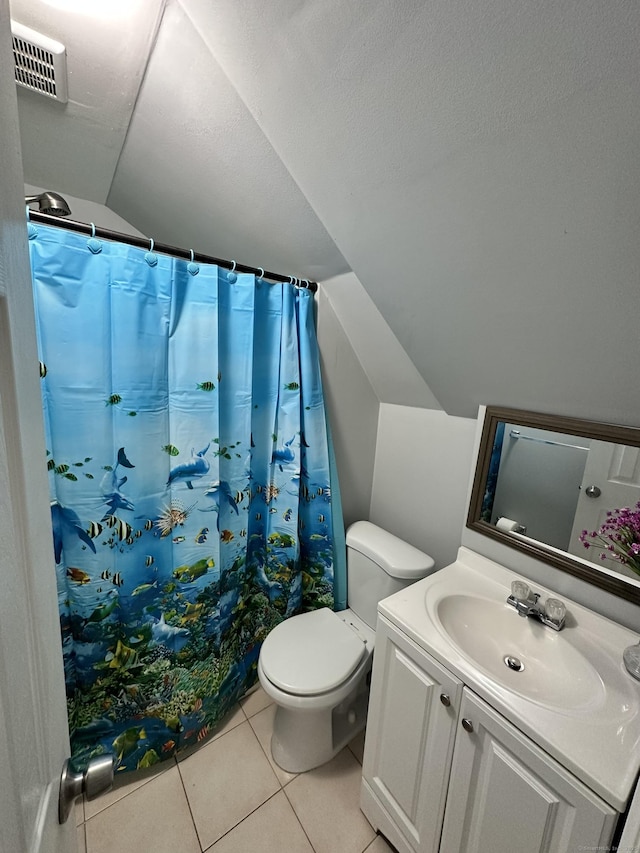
(191,494)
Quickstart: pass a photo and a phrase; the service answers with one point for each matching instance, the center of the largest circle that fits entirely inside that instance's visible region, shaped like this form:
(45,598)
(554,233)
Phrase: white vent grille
(40,62)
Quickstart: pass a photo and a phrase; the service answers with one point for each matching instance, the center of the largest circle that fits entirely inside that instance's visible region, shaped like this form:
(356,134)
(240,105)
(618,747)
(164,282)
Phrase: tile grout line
(298,819)
(182,782)
(231,829)
(176,762)
(282,787)
(186,796)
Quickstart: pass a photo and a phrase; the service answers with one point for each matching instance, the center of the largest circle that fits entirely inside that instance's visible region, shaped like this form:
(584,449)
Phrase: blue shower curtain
(191,491)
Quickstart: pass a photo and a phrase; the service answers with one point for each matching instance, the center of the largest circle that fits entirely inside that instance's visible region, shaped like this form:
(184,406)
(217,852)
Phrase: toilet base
(303,739)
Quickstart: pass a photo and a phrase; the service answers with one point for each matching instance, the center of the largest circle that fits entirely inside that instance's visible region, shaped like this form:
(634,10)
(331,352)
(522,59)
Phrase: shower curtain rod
(163,248)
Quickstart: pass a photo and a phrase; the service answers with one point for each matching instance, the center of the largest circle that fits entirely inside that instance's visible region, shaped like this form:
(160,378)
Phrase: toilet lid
(311,653)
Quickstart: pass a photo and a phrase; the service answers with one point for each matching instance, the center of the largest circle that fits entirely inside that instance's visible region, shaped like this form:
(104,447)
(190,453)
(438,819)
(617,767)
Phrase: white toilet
(316,666)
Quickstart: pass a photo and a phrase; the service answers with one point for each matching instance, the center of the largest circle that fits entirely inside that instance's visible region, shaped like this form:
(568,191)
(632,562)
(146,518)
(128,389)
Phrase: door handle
(96,779)
(592,492)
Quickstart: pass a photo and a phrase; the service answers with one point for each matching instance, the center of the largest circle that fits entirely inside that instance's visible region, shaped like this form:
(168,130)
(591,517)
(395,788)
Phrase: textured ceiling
(474,162)
(196,170)
(77,145)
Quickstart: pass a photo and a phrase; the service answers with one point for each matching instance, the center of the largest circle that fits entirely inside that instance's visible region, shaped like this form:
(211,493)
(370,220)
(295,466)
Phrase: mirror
(545,485)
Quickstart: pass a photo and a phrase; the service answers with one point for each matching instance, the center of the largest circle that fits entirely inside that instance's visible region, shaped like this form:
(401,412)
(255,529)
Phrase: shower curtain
(191,488)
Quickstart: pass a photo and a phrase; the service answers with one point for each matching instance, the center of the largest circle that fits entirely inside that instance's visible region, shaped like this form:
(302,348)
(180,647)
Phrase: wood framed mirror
(541,481)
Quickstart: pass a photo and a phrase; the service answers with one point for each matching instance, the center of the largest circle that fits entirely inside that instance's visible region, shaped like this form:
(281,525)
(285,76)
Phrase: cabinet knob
(467,725)
(445,700)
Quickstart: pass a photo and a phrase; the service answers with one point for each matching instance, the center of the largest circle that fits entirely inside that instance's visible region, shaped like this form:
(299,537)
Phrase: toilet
(317,666)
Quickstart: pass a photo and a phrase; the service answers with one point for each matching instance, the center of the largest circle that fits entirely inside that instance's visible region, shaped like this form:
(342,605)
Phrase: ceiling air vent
(41,62)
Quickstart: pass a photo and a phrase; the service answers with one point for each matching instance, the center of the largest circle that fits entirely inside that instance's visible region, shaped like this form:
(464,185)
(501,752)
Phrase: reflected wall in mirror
(545,485)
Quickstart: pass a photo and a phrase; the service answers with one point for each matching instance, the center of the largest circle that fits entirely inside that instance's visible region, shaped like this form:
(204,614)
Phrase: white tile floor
(229,797)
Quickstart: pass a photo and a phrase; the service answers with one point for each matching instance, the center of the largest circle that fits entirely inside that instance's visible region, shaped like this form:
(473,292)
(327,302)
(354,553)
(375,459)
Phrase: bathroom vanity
(487,730)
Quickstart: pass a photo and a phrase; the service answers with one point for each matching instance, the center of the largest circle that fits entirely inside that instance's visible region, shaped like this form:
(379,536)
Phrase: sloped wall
(353,413)
(475,162)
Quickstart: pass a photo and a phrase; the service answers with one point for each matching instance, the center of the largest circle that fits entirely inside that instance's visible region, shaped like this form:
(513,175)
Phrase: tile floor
(229,797)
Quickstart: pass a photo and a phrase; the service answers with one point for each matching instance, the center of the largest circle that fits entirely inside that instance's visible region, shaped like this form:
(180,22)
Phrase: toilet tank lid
(395,556)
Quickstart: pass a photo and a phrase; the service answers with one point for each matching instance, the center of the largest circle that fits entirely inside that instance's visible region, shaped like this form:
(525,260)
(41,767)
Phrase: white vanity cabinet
(445,773)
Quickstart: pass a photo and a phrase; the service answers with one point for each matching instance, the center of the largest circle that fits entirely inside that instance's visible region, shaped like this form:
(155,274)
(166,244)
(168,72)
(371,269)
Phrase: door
(33,726)
(615,472)
(410,733)
(507,794)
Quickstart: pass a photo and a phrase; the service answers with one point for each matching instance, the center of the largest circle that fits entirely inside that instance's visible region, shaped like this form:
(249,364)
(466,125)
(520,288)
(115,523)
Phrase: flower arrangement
(618,538)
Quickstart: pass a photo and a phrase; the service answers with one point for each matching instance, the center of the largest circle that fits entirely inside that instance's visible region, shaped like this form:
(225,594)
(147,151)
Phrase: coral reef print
(190,514)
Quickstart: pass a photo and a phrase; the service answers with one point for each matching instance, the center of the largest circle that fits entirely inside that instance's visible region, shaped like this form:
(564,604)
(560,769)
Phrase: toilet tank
(379,564)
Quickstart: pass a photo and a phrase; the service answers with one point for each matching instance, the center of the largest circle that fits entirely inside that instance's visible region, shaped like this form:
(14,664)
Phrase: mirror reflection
(565,490)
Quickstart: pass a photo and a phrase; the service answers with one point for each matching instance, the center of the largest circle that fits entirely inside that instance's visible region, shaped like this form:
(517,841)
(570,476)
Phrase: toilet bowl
(317,672)
(316,666)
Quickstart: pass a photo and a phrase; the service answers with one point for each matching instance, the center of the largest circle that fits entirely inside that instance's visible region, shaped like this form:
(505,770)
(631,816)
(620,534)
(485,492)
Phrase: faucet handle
(520,590)
(555,609)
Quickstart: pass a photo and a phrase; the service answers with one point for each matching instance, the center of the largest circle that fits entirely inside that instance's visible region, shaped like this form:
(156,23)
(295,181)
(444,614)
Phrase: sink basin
(524,655)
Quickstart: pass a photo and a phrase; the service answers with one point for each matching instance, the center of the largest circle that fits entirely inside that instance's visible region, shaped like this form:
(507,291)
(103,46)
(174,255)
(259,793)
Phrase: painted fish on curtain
(191,496)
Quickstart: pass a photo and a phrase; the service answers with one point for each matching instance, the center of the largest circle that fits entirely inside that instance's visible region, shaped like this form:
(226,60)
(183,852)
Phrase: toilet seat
(311,653)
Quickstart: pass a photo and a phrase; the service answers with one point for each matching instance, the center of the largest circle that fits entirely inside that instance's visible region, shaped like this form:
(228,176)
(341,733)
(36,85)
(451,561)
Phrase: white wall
(353,412)
(423,459)
(390,371)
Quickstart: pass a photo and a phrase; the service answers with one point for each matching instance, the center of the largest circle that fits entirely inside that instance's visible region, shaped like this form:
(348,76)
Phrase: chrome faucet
(526,603)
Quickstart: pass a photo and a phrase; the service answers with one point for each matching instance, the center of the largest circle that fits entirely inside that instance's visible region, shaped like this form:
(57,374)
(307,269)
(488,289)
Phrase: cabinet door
(409,743)
(505,794)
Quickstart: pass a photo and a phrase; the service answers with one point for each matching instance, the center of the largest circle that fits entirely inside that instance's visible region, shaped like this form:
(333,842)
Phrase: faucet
(551,613)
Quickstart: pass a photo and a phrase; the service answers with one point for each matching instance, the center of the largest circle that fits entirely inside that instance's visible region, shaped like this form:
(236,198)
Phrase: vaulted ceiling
(474,162)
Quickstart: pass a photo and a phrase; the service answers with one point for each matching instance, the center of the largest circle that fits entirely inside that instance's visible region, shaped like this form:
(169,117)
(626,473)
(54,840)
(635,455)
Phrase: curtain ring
(94,246)
(231,276)
(192,266)
(261,276)
(150,257)
(291,279)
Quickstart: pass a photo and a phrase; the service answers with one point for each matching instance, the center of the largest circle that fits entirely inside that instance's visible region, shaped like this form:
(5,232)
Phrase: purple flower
(618,538)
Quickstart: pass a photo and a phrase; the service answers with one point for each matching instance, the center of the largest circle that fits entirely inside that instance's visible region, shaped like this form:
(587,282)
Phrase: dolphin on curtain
(196,467)
(284,455)
(65,520)
(215,490)
(111,486)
